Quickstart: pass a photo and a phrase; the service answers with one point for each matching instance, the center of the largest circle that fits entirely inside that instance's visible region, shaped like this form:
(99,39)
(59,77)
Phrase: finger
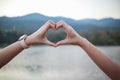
(60,24)
(61,42)
(50,43)
(63,25)
(51,24)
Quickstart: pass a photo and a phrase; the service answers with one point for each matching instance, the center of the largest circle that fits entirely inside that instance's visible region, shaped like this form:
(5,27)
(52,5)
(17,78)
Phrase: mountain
(105,31)
(33,21)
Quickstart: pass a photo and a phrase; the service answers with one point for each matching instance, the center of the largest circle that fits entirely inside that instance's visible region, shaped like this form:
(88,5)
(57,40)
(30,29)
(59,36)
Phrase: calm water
(61,63)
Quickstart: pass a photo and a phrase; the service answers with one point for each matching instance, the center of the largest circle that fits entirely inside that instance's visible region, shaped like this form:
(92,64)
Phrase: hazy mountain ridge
(33,21)
(100,32)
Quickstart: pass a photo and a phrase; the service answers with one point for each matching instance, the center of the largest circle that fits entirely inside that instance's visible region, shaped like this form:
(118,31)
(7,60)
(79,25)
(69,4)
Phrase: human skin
(38,37)
(101,60)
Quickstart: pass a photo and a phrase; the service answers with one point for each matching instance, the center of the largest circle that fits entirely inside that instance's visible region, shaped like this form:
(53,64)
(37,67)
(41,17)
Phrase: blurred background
(96,20)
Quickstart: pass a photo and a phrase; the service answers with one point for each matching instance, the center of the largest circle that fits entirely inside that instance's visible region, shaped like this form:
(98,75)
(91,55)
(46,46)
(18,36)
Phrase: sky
(76,9)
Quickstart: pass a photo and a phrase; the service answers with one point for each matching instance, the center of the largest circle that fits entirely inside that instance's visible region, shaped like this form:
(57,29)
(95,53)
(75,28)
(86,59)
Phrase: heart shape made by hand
(45,36)
(56,35)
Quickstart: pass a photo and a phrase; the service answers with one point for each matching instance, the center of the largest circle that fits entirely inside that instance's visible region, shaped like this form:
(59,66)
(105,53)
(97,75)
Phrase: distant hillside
(100,32)
(33,21)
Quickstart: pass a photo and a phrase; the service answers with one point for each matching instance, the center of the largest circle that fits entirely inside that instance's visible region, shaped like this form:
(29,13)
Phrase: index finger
(63,25)
(60,24)
(49,24)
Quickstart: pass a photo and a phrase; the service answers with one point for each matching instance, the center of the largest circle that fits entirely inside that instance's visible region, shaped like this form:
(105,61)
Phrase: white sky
(77,9)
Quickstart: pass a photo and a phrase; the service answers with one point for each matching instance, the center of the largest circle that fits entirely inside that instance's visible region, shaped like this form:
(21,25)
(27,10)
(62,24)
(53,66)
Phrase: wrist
(82,41)
(22,41)
(29,41)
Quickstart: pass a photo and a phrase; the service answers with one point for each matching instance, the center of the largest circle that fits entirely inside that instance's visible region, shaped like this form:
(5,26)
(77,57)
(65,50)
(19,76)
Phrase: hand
(39,36)
(72,36)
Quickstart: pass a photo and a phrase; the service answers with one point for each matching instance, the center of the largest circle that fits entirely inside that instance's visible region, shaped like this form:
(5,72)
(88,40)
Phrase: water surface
(62,63)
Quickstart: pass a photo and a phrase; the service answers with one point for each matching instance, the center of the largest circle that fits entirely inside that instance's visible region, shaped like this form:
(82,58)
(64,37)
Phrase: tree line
(96,37)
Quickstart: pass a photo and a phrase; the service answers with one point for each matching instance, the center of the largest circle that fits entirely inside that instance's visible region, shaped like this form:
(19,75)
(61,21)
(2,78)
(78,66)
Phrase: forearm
(101,60)
(9,52)
(38,37)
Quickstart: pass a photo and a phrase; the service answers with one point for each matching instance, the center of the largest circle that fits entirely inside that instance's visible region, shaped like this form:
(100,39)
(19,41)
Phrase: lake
(65,62)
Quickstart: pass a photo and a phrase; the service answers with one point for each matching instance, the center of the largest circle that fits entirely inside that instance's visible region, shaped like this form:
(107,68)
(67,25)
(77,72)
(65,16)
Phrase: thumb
(61,42)
(50,43)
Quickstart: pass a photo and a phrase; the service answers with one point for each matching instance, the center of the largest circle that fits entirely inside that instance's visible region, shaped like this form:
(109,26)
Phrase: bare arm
(38,37)
(9,52)
(101,60)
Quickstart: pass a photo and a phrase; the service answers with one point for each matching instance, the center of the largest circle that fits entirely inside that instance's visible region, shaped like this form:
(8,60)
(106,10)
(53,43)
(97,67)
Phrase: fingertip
(58,43)
(55,26)
(59,25)
(62,24)
(52,26)
(50,21)
(55,46)
(50,43)
(61,21)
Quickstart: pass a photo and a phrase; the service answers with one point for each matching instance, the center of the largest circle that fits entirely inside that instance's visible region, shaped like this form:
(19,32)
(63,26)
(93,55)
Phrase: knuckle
(61,21)
(49,21)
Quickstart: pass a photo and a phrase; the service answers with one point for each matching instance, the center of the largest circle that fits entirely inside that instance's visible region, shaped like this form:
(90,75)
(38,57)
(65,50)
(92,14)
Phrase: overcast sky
(77,9)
